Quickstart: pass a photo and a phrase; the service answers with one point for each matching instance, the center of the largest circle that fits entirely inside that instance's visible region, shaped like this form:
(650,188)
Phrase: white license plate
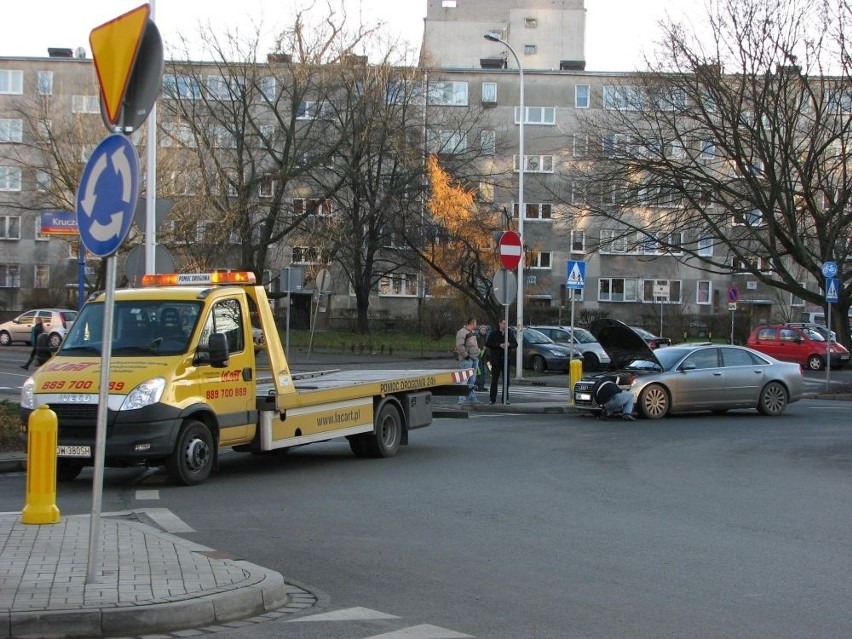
(73,451)
(584,397)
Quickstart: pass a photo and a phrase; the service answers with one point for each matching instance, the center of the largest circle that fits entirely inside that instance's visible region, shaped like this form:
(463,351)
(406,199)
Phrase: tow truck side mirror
(218,350)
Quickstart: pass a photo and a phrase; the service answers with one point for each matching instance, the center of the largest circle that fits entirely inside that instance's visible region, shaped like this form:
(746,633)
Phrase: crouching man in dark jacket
(612,399)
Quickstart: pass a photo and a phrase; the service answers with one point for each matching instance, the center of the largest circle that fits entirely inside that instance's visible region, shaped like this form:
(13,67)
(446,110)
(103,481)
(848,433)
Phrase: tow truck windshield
(140,328)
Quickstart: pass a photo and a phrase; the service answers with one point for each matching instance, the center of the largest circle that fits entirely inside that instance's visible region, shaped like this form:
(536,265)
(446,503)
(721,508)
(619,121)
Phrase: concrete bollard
(42,437)
(574,376)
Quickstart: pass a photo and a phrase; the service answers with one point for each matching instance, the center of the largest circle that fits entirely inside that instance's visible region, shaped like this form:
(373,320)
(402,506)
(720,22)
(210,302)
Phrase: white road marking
(421,632)
(348,614)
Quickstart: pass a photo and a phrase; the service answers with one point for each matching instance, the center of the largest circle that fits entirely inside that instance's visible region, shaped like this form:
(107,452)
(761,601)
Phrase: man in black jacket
(496,344)
(612,399)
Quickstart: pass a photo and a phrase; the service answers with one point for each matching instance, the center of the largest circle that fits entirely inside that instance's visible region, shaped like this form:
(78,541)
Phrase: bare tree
(245,138)
(737,139)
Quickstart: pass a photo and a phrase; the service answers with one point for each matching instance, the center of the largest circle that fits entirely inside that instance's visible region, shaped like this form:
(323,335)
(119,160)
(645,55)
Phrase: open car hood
(622,343)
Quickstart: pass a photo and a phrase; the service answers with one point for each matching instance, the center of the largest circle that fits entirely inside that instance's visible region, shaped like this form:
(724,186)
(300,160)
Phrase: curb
(13,462)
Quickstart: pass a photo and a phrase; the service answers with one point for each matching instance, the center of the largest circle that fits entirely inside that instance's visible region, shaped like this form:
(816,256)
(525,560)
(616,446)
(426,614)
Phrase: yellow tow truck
(184,382)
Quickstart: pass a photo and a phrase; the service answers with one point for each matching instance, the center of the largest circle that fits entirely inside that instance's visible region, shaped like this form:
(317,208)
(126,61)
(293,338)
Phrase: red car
(802,345)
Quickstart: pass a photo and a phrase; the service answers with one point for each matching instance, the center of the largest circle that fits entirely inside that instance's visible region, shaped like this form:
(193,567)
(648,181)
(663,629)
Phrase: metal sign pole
(506,341)
(100,433)
(828,348)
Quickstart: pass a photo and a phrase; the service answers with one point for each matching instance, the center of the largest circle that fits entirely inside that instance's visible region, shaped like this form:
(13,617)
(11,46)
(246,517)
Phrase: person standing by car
(608,394)
(37,329)
(482,372)
(467,351)
(496,345)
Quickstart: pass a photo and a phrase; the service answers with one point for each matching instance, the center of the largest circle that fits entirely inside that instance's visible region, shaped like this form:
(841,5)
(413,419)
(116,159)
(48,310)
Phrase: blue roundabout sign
(107,195)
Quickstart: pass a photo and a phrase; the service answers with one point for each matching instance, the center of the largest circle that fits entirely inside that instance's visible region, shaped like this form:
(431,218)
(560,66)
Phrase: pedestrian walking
(467,351)
(35,331)
(497,344)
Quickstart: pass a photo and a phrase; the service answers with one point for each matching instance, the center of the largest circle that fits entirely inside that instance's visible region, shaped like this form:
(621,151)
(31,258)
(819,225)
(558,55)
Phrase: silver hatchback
(56,321)
(594,355)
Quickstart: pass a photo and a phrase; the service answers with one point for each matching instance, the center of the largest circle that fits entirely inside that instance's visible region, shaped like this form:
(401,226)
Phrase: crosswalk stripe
(421,632)
(347,614)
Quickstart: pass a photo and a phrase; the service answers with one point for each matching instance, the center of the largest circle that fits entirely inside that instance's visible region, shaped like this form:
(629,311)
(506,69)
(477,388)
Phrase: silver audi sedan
(692,377)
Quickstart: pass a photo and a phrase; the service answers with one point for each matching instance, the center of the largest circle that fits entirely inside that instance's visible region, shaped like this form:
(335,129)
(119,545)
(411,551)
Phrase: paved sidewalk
(146,581)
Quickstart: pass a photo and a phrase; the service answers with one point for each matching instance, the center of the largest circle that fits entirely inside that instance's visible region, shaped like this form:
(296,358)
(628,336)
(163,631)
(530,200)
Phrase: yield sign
(114,48)
(510,249)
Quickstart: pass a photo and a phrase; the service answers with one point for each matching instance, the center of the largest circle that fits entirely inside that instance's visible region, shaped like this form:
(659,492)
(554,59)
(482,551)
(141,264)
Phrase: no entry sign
(510,249)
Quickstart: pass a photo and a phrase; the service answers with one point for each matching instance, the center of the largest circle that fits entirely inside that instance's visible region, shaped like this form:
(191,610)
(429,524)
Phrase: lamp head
(492,37)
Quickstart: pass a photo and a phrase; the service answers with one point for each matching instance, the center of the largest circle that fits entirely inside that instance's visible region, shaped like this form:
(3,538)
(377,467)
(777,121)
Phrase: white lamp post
(519,369)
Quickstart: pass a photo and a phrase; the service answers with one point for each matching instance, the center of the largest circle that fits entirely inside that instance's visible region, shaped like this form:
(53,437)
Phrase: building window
(617,289)
(704,292)
(613,242)
(581,145)
(581,96)
(651,243)
(751,264)
(534,211)
(178,135)
(11,130)
(310,255)
(37,234)
(489,92)
(311,206)
(578,241)
(708,150)
(185,183)
(447,94)
(613,144)
(650,288)
(10,178)
(221,138)
(535,163)
(398,285)
(539,260)
(795,300)
(622,98)
(10,227)
(268,88)
(41,276)
(486,192)
(182,87)
(705,246)
(85,104)
(45,82)
(530,23)
(447,142)
(10,276)
(536,115)
(11,82)
(221,88)
(43,181)
(754,217)
(488,142)
(310,110)
(530,49)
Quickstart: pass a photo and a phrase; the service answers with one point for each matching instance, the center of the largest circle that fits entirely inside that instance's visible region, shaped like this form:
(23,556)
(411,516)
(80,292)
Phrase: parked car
(540,353)
(594,355)
(805,346)
(57,321)
(693,377)
(654,341)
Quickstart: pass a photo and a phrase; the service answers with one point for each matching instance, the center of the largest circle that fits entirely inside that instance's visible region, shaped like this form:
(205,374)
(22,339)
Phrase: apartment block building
(627,278)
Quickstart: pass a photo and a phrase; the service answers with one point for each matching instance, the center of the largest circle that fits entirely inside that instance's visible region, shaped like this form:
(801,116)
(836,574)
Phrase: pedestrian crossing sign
(576,275)
(831,284)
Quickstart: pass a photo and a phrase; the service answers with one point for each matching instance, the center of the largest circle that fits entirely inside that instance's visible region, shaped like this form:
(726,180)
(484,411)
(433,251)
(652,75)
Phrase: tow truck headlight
(27,395)
(145,394)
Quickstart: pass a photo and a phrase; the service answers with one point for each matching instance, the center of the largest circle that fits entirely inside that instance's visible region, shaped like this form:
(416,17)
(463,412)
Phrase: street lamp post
(519,369)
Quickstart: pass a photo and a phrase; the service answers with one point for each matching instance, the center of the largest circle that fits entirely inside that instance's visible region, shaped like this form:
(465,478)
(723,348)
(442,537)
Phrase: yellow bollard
(574,375)
(42,436)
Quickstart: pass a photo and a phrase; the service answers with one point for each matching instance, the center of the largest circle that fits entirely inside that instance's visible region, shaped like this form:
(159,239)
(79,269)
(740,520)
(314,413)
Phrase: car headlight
(27,395)
(145,394)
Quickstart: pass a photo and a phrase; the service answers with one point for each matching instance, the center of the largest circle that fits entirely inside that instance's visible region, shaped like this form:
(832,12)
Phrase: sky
(617,31)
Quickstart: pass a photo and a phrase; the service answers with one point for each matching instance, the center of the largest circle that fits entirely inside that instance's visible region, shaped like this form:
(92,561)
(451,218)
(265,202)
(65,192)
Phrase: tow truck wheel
(192,460)
(388,436)
(67,470)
